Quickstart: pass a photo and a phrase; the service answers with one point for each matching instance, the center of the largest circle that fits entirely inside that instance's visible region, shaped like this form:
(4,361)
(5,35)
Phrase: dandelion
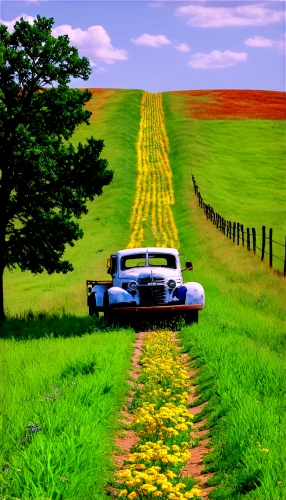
(132,495)
(123,494)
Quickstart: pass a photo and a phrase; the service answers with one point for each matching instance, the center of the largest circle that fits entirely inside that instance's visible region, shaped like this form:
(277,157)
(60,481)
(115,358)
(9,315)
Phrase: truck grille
(152,295)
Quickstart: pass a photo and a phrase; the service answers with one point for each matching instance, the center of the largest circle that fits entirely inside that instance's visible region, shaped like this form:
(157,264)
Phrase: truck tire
(106,308)
(92,310)
(191,317)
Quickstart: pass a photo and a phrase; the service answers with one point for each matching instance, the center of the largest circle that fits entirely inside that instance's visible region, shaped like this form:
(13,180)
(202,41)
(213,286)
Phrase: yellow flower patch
(163,425)
(154,191)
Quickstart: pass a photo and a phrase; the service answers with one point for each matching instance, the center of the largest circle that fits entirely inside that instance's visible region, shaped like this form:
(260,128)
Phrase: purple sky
(174,45)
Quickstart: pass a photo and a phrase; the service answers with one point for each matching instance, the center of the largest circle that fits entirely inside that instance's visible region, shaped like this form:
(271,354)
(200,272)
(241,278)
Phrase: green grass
(239,168)
(61,369)
(240,339)
(239,342)
(106,226)
(73,389)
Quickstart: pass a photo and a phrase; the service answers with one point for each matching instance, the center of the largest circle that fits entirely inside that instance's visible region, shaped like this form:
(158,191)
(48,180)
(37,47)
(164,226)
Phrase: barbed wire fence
(247,237)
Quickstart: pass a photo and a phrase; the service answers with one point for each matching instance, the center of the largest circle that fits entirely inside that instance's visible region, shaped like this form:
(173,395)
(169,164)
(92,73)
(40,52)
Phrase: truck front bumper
(157,309)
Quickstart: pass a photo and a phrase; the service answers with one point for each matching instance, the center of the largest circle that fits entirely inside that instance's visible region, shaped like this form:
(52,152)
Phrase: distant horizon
(181,90)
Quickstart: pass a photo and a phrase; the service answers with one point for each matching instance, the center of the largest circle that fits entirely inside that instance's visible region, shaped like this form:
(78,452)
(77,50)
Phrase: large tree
(44,182)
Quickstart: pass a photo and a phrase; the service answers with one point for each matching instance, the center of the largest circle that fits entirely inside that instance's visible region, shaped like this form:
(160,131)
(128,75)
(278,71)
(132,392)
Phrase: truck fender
(195,293)
(117,295)
(99,291)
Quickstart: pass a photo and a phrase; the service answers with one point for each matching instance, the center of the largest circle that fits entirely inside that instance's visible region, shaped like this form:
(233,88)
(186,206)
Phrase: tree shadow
(150,322)
(31,326)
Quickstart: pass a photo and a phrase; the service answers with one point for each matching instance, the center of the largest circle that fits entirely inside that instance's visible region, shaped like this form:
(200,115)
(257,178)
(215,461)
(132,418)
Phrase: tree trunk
(2,314)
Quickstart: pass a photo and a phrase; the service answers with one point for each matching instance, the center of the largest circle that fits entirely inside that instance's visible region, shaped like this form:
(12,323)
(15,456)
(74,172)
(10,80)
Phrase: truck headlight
(132,286)
(172,284)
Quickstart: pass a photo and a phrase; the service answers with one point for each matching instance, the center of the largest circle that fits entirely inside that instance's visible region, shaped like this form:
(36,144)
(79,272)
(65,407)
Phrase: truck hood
(145,272)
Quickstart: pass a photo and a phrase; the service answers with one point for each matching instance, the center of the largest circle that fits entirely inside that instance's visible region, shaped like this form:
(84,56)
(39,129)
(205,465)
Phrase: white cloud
(10,24)
(217,59)
(260,41)
(257,14)
(183,47)
(151,40)
(94,43)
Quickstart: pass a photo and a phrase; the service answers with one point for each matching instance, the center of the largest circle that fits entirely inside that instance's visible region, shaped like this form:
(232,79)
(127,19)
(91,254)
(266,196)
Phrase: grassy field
(238,166)
(71,387)
(240,340)
(62,398)
(106,226)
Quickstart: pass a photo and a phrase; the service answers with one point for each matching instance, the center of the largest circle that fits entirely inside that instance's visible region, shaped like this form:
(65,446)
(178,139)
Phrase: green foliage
(240,341)
(62,398)
(45,182)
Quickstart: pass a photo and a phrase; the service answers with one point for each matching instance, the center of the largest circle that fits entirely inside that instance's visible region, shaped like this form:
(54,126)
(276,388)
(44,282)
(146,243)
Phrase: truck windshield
(154,259)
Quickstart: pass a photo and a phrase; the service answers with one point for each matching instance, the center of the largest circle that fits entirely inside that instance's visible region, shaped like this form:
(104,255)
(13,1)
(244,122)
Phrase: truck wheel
(191,317)
(92,310)
(106,313)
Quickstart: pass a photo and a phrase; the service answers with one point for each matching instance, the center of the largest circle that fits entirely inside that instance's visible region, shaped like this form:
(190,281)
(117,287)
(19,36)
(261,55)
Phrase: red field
(235,104)
(99,97)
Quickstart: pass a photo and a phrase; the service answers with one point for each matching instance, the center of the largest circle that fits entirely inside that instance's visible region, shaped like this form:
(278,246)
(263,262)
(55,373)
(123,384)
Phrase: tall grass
(106,226)
(245,386)
(61,402)
(240,340)
(63,372)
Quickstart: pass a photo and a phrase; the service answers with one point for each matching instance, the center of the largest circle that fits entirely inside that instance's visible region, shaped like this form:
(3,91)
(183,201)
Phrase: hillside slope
(235,145)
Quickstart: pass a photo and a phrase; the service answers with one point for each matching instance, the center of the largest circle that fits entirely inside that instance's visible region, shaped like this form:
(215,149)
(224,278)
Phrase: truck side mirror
(189,266)
(108,264)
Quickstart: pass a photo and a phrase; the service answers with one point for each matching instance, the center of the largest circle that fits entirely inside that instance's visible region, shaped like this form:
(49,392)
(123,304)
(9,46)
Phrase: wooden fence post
(233,235)
(254,239)
(248,239)
(270,247)
(238,229)
(263,242)
(230,234)
(217,220)
(242,234)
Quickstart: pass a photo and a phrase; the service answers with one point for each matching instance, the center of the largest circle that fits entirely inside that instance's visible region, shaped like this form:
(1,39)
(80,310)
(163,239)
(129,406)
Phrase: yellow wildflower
(123,493)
